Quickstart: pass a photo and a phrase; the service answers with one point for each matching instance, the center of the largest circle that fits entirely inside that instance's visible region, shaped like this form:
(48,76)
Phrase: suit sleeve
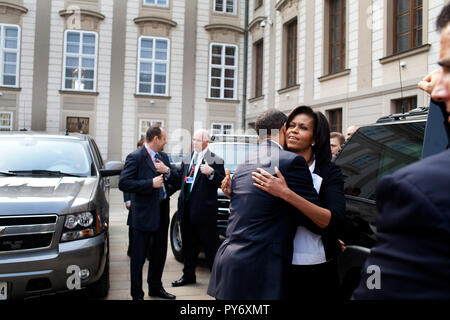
(332,196)
(299,180)
(126,197)
(129,182)
(219,174)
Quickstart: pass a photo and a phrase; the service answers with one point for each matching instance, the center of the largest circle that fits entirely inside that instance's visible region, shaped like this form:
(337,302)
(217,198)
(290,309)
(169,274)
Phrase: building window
(6,121)
(80,61)
(407,24)
(291,53)
(259,67)
(153,66)
(144,124)
(258,3)
(337,36)
(9,55)
(405,105)
(77,124)
(221,128)
(223,71)
(335,120)
(159,3)
(225,6)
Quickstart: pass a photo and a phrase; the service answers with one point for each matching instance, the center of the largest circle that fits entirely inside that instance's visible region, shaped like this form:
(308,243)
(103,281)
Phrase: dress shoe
(161,293)
(183,281)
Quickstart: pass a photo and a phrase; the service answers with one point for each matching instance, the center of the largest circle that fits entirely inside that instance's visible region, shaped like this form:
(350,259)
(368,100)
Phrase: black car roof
(41,134)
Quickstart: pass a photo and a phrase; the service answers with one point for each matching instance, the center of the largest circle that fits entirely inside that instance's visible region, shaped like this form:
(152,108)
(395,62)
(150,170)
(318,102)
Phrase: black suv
(372,152)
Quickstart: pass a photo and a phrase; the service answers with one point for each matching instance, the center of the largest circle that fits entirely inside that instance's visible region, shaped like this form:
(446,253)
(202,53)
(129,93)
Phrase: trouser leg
(158,249)
(139,251)
(189,250)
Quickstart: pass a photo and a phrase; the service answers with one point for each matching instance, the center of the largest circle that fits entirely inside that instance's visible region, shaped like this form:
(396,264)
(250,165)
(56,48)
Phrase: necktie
(191,171)
(162,191)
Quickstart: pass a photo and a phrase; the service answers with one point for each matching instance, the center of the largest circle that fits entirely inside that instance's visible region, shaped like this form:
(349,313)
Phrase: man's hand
(206,169)
(226,184)
(161,167)
(128,205)
(158,182)
(429,82)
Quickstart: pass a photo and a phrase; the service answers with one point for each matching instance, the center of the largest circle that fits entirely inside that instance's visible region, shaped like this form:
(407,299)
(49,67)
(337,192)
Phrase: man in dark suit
(253,262)
(201,174)
(412,254)
(145,177)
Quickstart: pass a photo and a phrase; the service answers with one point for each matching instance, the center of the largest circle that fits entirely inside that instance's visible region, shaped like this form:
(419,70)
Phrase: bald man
(201,174)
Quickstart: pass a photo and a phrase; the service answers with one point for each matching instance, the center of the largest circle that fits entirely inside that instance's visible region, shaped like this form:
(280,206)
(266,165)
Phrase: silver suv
(54,215)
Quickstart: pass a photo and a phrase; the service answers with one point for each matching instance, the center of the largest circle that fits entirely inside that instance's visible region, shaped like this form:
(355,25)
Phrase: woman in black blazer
(313,273)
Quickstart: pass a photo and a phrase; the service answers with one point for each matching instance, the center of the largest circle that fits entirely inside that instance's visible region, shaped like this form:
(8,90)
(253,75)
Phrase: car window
(31,153)
(375,151)
(233,154)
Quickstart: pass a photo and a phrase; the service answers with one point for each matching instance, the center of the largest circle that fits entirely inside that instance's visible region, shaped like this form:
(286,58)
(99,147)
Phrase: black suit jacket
(413,233)
(127,197)
(203,197)
(137,179)
(253,261)
(331,197)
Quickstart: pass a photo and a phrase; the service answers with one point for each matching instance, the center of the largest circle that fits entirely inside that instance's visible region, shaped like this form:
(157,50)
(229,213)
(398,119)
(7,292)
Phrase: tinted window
(233,154)
(30,153)
(376,151)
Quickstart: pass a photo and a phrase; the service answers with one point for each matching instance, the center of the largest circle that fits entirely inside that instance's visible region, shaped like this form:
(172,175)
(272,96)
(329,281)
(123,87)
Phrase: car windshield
(233,154)
(21,154)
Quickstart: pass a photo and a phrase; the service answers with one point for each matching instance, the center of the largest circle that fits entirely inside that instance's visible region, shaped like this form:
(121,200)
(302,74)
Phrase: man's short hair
(444,18)
(152,132)
(339,136)
(269,120)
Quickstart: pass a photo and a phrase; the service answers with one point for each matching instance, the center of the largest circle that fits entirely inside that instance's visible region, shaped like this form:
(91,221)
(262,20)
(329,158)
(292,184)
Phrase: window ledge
(83,93)
(83,12)
(255,99)
(346,72)
(21,9)
(404,54)
(223,100)
(149,19)
(219,26)
(152,96)
(16,89)
(292,88)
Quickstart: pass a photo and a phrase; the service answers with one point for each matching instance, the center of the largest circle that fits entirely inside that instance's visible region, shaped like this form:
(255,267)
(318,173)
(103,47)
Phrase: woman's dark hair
(321,132)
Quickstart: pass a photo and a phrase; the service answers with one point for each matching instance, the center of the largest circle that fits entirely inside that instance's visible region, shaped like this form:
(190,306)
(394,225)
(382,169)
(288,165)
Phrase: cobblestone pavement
(120,262)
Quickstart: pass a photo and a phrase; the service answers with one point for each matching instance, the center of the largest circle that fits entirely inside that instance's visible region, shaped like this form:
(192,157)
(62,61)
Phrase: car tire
(176,242)
(100,288)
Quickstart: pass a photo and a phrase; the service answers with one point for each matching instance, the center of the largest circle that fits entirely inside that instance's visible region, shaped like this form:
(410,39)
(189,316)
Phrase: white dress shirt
(308,246)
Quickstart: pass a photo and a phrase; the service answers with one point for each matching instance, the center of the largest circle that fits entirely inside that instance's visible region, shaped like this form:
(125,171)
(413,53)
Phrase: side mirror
(112,168)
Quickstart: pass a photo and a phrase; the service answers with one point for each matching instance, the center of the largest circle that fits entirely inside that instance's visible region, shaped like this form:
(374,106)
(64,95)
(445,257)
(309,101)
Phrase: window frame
(342,36)
(145,4)
(65,55)
(412,27)
(259,67)
(5,50)
(409,104)
(151,123)
(223,67)
(339,112)
(11,121)
(153,61)
(291,77)
(224,10)
(222,125)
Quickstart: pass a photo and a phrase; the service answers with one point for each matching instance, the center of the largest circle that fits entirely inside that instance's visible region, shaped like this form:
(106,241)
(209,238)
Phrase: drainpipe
(244,85)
